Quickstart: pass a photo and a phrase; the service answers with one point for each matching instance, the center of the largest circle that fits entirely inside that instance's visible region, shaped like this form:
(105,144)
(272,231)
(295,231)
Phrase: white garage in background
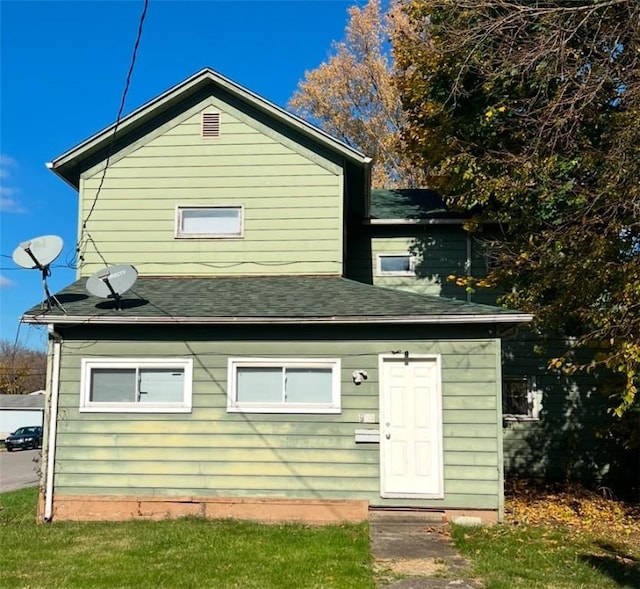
(20,410)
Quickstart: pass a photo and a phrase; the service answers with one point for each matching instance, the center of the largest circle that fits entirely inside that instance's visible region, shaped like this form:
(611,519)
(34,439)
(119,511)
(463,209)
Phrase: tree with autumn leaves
(22,370)
(527,115)
(354,98)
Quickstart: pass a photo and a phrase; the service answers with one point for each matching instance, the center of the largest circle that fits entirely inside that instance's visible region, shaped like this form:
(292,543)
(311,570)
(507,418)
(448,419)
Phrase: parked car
(24,438)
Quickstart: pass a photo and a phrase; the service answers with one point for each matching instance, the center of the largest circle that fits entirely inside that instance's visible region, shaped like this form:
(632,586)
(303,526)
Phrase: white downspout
(53,423)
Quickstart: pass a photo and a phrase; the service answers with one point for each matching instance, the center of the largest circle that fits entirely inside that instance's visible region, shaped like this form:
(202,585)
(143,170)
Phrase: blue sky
(62,72)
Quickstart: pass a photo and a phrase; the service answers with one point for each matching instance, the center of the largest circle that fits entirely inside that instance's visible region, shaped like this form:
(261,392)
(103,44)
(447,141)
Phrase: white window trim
(412,264)
(234,407)
(88,406)
(534,400)
(178,219)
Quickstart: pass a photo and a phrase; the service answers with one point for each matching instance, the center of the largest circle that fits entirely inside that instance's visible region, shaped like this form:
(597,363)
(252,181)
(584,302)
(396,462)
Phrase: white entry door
(411,427)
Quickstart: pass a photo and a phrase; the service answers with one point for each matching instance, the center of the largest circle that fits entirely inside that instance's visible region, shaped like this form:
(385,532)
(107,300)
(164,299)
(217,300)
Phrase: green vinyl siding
(210,452)
(568,440)
(438,250)
(292,199)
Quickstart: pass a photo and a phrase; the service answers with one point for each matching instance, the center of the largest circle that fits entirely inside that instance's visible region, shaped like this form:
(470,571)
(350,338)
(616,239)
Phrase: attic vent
(211,124)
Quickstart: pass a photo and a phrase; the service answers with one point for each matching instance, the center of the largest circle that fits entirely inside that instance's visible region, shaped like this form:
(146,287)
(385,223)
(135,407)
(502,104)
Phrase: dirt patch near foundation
(412,567)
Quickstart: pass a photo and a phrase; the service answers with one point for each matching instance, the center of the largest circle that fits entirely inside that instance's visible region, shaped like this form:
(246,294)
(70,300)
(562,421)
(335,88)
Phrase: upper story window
(129,385)
(396,265)
(520,400)
(209,221)
(283,385)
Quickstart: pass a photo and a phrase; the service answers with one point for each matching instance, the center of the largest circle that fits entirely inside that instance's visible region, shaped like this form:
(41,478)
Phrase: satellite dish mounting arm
(37,263)
(48,296)
(46,272)
(39,253)
(114,294)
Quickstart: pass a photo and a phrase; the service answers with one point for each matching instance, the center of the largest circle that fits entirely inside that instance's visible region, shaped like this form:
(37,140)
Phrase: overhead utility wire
(123,100)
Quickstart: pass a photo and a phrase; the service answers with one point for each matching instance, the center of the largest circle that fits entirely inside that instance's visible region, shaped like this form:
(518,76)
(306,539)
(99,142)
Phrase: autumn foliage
(21,370)
(353,97)
(528,115)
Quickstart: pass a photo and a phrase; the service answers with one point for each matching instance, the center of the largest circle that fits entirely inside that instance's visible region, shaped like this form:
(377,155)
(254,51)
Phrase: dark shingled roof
(264,299)
(415,203)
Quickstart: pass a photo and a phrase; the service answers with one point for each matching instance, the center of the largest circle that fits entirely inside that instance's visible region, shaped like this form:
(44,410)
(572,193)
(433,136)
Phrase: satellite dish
(38,252)
(112,282)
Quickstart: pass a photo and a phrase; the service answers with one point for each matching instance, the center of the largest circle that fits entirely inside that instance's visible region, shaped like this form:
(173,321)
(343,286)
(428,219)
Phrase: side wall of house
(292,199)
(439,251)
(213,453)
(566,440)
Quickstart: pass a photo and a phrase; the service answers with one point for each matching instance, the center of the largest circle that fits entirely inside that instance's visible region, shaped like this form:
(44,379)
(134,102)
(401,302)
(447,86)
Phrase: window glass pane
(515,400)
(113,385)
(161,385)
(259,385)
(210,221)
(309,385)
(395,263)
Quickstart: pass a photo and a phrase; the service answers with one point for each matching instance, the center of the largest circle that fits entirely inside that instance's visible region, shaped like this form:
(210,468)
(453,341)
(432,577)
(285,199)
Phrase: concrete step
(410,517)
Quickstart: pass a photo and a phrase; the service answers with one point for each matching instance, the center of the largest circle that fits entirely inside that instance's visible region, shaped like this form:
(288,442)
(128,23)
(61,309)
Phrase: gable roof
(69,165)
(411,205)
(264,300)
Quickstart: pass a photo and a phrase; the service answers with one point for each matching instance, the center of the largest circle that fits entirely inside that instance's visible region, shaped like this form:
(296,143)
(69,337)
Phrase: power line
(196,263)
(123,100)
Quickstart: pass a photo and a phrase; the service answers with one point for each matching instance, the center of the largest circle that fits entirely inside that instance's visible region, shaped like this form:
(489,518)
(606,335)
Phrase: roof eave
(502,318)
(62,164)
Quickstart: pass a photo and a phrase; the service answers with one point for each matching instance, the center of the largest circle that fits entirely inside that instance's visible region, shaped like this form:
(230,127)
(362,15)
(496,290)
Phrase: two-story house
(260,366)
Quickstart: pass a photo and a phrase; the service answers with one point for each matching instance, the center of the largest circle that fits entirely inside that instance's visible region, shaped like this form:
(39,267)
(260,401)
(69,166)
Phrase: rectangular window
(206,221)
(150,385)
(396,265)
(279,385)
(519,398)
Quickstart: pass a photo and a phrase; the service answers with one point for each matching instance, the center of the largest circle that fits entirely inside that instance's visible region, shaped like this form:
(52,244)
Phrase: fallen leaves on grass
(573,506)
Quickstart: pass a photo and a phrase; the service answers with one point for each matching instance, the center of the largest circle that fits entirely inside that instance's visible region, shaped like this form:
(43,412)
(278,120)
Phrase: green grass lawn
(177,554)
(549,557)
(599,549)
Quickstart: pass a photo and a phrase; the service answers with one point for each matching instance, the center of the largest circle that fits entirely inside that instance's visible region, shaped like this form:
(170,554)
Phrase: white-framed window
(283,385)
(520,399)
(203,221)
(402,264)
(140,385)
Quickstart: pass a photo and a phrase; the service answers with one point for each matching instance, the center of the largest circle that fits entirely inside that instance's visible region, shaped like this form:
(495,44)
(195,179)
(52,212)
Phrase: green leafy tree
(528,114)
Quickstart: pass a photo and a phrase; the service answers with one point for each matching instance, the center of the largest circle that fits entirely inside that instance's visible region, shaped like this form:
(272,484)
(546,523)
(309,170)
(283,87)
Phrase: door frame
(436,358)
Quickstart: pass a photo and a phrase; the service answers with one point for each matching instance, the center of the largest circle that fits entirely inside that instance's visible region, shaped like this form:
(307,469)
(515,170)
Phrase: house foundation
(266,510)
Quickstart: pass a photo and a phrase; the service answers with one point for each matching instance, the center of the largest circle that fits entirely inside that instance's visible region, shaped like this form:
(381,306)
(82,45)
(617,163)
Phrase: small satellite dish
(38,252)
(112,282)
